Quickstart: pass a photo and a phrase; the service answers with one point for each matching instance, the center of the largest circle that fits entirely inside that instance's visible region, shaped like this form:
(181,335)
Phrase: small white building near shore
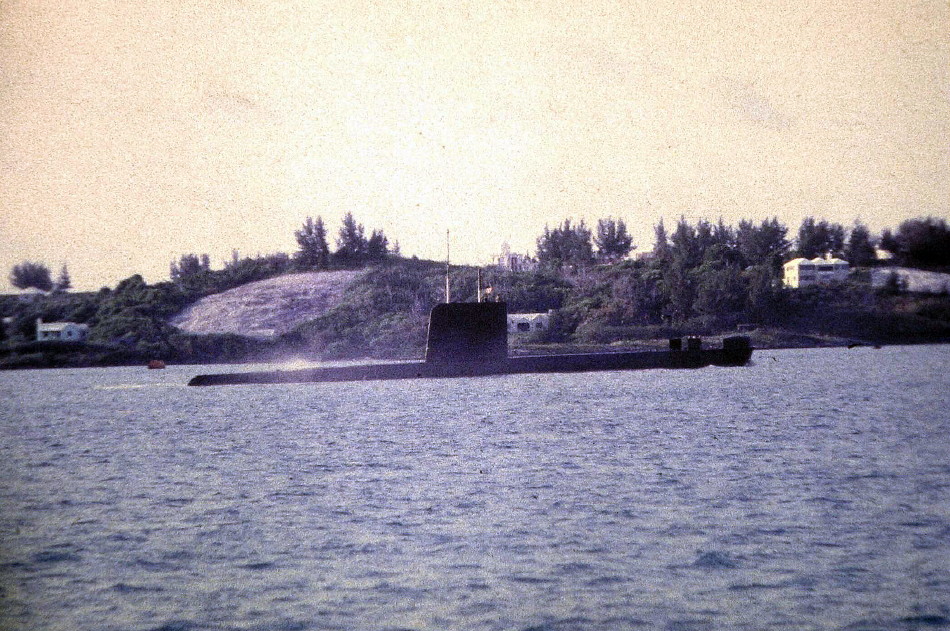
(528,322)
(802,272)
(60,331)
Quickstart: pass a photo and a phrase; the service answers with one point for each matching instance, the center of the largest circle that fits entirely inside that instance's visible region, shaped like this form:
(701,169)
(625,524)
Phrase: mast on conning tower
(448,290)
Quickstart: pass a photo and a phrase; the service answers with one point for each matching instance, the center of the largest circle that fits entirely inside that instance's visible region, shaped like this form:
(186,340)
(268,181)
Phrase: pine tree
(312,239)
(860,249)
(378,246)
(816,238)
(612,240)
(723,234)
(351,244)
(685,244)
(189,266)
(63,283)
(764,244)
(662,247)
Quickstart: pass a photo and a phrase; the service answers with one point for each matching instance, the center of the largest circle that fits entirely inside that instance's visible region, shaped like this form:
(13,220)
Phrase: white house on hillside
(803,272)
(60,331)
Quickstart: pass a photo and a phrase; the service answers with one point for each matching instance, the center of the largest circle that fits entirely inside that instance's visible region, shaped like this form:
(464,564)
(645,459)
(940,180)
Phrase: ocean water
(809,490)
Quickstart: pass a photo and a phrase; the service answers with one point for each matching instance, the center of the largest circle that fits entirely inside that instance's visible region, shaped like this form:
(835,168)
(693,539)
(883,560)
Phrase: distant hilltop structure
(514,262)
(802,272)
(647,255)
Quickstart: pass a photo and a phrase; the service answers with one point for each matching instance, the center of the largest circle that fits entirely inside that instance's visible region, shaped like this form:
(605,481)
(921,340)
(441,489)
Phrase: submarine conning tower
(468,332)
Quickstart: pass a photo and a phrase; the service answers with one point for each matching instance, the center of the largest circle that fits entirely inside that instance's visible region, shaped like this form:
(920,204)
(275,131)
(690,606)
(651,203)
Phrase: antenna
(448,291)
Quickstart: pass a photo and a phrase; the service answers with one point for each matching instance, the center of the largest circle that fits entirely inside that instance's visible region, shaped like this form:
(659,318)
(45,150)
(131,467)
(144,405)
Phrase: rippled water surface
(810,490)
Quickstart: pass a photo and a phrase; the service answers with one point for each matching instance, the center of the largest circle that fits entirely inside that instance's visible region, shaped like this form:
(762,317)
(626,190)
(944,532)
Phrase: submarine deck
(514,365)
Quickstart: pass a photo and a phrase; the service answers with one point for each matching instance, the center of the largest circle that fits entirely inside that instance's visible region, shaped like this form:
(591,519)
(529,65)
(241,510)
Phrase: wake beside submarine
(470,339)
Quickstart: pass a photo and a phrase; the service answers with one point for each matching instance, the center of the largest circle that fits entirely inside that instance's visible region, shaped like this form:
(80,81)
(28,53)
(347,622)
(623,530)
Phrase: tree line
(37,275)
(573,245)
(568,247)
(706,276)
(353,249)
(921,242)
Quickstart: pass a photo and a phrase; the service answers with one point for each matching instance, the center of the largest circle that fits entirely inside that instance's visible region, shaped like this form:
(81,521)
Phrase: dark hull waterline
(587,362)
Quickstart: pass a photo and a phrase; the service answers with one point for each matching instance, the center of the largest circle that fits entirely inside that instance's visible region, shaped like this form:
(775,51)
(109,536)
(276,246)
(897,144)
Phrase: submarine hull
(737,355)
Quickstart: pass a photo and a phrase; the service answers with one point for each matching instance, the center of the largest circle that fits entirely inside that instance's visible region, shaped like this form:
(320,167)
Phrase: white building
(528,322)
(514,262)
(803,272)
(643,256)
(60,331)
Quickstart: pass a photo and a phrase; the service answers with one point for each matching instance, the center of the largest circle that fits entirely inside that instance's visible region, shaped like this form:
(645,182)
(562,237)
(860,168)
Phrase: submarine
(470,339)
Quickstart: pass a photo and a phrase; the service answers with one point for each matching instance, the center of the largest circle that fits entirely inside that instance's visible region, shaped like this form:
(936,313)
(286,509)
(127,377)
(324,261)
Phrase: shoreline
(40,360)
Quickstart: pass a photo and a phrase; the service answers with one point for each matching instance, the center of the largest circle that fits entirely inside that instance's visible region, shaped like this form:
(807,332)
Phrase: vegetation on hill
(702,278)
(922,243)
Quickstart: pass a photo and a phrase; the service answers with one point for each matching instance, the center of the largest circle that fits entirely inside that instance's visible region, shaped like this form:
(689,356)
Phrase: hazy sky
(133,132)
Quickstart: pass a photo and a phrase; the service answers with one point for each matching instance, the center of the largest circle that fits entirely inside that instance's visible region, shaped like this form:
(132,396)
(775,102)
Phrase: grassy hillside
(266,308)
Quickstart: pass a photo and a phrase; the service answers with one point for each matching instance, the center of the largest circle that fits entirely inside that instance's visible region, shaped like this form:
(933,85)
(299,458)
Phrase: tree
(720,288)
(807,239)
(924,242)
(189,266)
(764,244)
(860,249)
(31,274)
(235,260)
(638,297)
(723,235)
(566,245)
(705,237)
(764,299)
(661,249)
(612,240)
(63,283)
(722,254)
(818,238)
(377,247)
(351,244)
(685,245)
(680,289)
(312,239)
(889,241)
